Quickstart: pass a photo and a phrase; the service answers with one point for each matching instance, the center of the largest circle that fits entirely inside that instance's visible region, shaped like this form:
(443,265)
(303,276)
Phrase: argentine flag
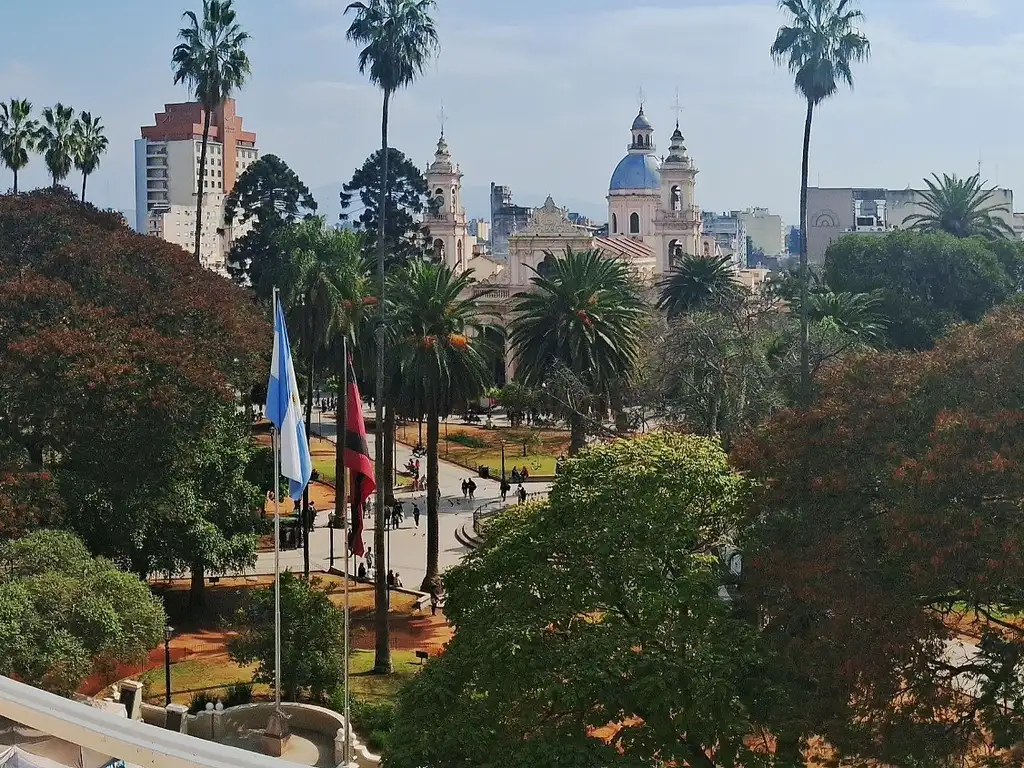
(285,412)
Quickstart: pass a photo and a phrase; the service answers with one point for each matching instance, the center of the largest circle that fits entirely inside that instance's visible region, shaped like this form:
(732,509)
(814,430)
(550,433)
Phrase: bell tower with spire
(449,236)
(678,221)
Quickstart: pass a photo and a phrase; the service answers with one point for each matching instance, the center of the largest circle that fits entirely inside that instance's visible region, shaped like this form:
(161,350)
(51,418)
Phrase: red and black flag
(357,462)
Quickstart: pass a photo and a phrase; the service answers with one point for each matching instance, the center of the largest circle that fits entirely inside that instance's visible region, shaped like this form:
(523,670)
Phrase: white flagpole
(277,551)
(340,442)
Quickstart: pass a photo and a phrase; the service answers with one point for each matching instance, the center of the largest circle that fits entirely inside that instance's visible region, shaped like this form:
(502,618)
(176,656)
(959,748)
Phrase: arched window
(438,192)
(454,196)
(707,249)
(458,251)
(615,225)
(675,252)
(677,198)
(439,249)
(634,223)
(546,266)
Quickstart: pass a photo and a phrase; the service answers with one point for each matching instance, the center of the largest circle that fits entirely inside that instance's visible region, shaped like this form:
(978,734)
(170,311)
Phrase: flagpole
(341,440)
(277,558)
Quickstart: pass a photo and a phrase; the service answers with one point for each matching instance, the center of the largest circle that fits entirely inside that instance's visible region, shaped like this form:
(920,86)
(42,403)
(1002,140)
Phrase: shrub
(199,701)
(374,721)
(238,694)
(468,440)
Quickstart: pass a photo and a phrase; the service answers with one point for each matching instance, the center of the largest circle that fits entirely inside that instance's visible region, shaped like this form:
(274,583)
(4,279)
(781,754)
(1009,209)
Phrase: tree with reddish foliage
(119,356)
(887,524)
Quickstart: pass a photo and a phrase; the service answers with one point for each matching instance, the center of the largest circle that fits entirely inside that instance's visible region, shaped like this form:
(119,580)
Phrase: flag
(285,412)
(357,461)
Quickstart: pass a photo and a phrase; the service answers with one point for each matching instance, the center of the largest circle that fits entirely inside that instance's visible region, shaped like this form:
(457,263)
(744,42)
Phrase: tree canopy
(884,533)
(924,282)
(962,208)
(590,628)
(64,612)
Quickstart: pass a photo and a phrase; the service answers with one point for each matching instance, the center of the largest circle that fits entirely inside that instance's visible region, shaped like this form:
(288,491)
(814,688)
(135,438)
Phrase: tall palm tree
(211,61)
(819,46)
(91,146)
(398,39)
(18,135)
(440,342)
(58,141)
(584,317)
(960,207)
(855,314)
(698,283)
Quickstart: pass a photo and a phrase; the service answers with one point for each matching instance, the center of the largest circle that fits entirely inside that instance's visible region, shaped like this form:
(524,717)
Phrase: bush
(468,440)
(374,721)
(238,694)
(199,701)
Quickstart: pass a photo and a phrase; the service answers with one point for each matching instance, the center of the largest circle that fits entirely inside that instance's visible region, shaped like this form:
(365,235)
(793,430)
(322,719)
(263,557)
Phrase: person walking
(465,488)
(471,487)
(416,514)
(504,488)
(521,493)
(434,600)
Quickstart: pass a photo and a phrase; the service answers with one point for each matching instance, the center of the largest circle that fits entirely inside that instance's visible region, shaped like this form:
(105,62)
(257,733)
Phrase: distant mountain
(476,199)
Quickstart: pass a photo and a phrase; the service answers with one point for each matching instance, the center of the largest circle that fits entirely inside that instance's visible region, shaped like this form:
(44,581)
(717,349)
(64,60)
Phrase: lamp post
(168,631)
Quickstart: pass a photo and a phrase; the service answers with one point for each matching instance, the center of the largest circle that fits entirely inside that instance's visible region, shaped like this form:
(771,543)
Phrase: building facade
(167,177)
(729,231)
(834,212)
(765,230)
(507,219)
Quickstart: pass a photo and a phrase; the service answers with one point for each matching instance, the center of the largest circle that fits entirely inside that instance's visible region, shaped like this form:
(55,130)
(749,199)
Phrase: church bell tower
(678,221)
(449,236)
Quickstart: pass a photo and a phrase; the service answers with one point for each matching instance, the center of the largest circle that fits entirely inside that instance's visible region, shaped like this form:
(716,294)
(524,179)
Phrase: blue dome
(636,171)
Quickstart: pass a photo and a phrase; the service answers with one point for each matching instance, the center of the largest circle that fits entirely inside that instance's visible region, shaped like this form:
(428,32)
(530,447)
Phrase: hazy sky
(540,94)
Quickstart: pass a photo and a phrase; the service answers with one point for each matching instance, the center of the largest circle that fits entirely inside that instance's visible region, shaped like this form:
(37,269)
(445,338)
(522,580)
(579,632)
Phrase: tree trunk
(805,351)
(389,449)
(197,592)
(202,180)
(84,177)
(305,517)
(577,435)
(15,181)
(382,646)
(433,532)
(340,437)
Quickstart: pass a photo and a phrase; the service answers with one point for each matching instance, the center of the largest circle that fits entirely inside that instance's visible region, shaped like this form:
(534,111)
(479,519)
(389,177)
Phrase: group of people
(327,404)
(468,488)
(520,475)
(397,515)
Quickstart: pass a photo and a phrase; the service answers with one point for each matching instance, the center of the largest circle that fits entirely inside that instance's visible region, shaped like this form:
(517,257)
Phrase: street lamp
(168,631)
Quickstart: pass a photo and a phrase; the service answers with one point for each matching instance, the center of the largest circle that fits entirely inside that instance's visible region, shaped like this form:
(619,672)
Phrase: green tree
(609,648)
(439,342)
(584,314)
(91,143)
(268,195)
(64,613)
(819,46)
(58,140)
(700,282)
(924,282)
(516,398)
(312,659)
(19,134)
(855,314)
(962,208)
(212,62)
(398,39)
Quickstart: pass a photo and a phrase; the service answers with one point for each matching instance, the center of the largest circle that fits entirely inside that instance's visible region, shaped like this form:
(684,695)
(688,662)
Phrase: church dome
(636,171)
(641,123)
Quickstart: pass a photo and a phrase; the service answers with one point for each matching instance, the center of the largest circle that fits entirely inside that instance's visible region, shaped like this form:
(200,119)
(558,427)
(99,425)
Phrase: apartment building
(167,177)
(730,233)
(765,230)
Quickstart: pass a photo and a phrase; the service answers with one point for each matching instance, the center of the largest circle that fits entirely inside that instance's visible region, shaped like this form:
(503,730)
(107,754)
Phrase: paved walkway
(407,545)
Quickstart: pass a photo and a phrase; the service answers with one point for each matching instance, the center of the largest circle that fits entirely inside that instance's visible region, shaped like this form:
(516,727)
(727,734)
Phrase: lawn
(323,455)
(215,673)
(472,446)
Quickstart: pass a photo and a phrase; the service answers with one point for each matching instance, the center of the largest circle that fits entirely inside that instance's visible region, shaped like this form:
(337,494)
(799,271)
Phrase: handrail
(492,508)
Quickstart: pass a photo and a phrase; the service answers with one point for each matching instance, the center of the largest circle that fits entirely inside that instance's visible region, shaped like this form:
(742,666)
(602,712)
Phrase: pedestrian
(417,465)
(416,514)
(398,581)
(465,488)
(368,557)
(434,600)
(391,579)
(504,488)
(472,488)
(521,493)
(361,572)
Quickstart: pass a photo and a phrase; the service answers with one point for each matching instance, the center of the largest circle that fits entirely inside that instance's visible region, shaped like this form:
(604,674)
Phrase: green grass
(325,466)
(539,463)
(215,674)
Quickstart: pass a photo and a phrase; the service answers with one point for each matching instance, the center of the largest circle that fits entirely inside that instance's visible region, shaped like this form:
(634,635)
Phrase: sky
(540,94)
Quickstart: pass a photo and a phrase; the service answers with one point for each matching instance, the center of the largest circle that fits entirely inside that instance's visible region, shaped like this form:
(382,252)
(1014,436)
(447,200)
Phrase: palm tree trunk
(15,181)
(433,534)
(805,351)
(202,181)
(577,435)
(84,177)
(382,646)
(305,522)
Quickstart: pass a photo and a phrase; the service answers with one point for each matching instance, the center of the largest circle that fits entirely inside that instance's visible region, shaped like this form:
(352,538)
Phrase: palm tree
(698,283)
(211,61)
(439,342)
(58,141)
(583,320)
(91,145)
(398,38)
(961,208)
(855,314)
(819,47)
(18,135)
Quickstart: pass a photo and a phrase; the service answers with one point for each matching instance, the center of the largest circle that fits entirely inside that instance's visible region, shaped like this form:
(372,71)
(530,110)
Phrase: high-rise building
(480,229)
(506,219)
(765,230)
(729,231)
(167,174)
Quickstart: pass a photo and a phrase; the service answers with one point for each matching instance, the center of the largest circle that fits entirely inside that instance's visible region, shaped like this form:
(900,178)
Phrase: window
(634,223)
(458,250)
(439,248)
(615,225)
(677,203)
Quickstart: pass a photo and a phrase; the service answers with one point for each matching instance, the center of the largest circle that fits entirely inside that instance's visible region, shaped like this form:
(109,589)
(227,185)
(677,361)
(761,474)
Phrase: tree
(700,282)
(212,62)
(962,208)
(855,314)
(819,47)
(398,39)
(121,355)
(91,143)
(517,399)
(58,140)
(405,237)
(610,648)
(64,613)
(883,531)
(269,196)
(19,134)
(312,656)
(28,498)
(925,282)
(439,342)
(585,314)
